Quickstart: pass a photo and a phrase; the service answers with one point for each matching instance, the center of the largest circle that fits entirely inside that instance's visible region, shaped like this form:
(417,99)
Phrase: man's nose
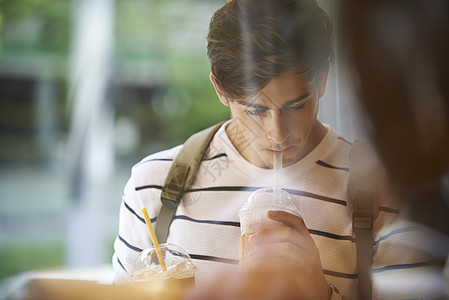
(277,130)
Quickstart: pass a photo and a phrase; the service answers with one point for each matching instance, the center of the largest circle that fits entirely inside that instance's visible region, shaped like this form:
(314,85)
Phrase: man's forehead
(283,90)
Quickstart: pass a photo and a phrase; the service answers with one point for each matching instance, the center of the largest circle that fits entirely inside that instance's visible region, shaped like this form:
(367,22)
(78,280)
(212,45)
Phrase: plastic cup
(255,210)
(177,279)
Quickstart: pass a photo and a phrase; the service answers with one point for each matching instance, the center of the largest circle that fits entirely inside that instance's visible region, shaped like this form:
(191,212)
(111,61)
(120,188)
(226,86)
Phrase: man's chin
(286,161)
(289,157)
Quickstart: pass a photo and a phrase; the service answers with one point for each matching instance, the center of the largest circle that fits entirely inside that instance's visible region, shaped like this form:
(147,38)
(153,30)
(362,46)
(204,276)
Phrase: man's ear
(217,90)
(321,82)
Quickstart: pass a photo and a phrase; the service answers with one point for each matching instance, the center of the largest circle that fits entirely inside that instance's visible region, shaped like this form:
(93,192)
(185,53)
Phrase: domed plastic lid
(178,262)
(269,199)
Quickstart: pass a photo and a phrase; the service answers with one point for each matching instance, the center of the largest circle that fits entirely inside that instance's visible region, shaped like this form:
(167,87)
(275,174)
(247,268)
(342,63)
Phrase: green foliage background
(41,31)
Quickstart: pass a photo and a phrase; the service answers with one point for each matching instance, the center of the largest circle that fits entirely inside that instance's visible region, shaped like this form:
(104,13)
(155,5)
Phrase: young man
(269,61)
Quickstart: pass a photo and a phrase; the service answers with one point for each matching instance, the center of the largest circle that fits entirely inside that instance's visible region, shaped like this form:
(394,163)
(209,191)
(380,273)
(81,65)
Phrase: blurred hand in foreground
(285,265)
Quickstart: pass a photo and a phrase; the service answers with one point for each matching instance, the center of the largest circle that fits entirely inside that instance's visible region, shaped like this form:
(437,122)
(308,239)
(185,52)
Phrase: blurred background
(87,89)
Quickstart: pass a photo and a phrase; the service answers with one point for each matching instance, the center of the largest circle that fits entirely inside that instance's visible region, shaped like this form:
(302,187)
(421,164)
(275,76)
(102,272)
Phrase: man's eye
(295,107)
(254,112)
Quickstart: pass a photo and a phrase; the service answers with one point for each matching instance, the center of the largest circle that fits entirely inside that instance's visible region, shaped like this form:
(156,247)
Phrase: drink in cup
(255,210)
(175,278)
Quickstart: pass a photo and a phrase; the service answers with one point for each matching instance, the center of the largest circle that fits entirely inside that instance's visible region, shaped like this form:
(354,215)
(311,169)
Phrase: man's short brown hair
(251,42)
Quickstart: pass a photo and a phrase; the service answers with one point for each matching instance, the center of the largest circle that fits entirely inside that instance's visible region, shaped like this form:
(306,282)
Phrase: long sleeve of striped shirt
(133,234)
(131,238)
(408,262)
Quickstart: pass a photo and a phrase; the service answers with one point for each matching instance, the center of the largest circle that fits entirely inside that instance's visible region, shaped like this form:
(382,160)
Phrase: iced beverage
(255,210)
(178,278)
(245,248)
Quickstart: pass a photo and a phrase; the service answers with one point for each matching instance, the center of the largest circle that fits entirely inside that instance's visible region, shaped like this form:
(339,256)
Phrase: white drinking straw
(277,166)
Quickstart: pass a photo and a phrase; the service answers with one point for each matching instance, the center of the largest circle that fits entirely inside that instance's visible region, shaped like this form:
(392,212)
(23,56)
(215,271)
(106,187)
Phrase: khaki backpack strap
(181,176)
(363,207)
(362,225)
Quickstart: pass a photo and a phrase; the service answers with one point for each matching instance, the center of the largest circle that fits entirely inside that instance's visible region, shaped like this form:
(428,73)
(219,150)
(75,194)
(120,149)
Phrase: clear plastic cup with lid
(176,276)
(255,210)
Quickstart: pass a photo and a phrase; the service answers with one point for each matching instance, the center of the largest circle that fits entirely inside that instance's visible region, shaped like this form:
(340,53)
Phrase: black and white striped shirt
(206,223)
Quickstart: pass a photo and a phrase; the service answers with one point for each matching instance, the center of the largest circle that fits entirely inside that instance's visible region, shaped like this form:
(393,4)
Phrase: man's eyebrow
(296,100)
(286,104)
(253,105)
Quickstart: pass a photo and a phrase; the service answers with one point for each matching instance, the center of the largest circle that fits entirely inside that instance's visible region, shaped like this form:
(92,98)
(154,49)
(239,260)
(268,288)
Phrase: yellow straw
(154,239)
